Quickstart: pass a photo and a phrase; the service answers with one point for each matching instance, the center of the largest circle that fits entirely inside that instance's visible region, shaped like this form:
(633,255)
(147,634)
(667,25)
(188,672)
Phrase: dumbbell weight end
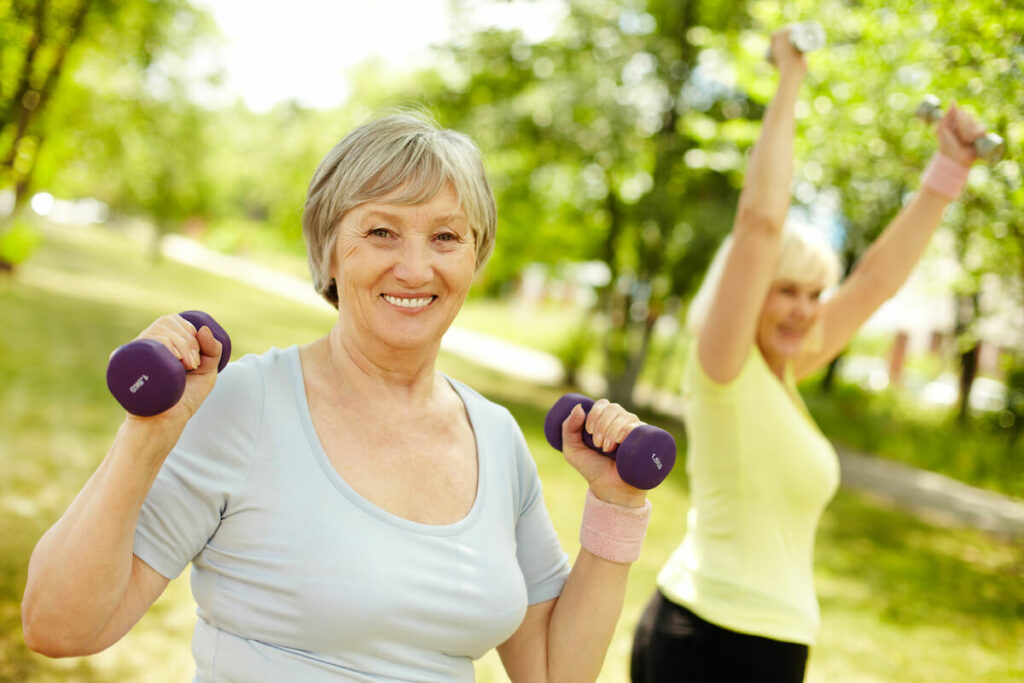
(643,459)
(805,36)
(989,147)
(147,379)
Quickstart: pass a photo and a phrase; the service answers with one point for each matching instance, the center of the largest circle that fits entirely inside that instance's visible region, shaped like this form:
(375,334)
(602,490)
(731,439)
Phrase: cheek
(462,271)
(776,308)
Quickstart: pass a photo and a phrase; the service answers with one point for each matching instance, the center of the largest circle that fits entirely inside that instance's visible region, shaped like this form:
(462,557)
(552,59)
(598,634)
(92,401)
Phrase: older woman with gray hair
(350,513)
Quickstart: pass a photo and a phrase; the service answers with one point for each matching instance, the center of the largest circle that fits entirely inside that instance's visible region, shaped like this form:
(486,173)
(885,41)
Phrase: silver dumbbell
(805,36)
(989,146)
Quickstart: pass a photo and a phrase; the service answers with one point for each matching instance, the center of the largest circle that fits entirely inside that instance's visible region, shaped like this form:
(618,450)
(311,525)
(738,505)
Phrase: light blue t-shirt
(298,577)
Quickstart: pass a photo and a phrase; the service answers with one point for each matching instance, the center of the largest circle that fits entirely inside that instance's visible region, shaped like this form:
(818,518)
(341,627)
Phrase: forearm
(81,568)
(889,261)
(766,187)
(584,618)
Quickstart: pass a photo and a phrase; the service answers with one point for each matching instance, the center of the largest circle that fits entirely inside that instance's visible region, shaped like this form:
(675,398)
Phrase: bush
(18,242)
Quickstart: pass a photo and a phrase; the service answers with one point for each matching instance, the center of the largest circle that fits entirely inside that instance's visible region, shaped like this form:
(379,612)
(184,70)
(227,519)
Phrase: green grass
(901,601)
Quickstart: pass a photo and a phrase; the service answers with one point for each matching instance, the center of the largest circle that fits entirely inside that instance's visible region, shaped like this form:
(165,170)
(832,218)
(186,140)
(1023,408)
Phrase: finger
(179,336)
(594,417)
(210,349)
(572,428)
(188,335)
(619,429)
(969,128)
(611,426)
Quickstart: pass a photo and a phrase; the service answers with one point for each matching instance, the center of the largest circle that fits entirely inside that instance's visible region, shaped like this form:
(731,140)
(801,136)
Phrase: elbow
(49,637)
(758,221)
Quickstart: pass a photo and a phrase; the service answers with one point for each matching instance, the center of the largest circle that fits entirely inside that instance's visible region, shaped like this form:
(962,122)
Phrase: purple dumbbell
(643,459)
(146,378)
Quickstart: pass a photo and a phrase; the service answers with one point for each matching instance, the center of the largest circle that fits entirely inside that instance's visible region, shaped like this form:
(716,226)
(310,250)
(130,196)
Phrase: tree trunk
(966,313)
(28,101)
(829,378)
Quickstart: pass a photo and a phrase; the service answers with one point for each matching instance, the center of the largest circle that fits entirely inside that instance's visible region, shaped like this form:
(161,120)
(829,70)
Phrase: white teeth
(408,303)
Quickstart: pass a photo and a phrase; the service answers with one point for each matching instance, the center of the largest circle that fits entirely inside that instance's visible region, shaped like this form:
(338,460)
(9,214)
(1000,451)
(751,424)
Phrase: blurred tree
(860,149)
(615,139)
(41,39)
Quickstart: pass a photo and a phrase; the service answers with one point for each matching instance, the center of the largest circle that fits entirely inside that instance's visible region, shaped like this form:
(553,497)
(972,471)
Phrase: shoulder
(483,411)
(697,380)
(496,430)
(248,375)
(241,390)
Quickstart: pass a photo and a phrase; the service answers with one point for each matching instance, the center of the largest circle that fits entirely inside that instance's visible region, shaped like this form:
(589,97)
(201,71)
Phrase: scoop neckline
(356,498)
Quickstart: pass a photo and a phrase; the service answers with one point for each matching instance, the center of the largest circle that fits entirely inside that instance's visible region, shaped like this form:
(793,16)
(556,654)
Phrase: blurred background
(143,140)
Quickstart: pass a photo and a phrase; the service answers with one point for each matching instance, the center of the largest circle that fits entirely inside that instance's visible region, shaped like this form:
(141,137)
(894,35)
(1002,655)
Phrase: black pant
(674,645)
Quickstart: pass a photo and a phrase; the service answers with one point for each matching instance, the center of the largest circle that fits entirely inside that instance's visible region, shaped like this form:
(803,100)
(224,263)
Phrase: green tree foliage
(861,144)
(611,141)
(622,137)
(42,40)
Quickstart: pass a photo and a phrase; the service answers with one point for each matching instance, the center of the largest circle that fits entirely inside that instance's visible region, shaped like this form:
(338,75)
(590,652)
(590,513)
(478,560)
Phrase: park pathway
(932,497)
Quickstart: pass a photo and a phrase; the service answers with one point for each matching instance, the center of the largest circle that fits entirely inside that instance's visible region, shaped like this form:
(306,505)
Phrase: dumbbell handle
(643,459)
(147,379)
(989,146)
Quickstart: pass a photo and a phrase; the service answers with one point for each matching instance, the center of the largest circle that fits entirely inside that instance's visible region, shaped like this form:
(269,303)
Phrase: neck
(776,363)
(367,369)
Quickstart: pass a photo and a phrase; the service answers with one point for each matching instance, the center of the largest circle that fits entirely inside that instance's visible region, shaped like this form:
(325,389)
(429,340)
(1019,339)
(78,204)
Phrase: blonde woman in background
(736,600)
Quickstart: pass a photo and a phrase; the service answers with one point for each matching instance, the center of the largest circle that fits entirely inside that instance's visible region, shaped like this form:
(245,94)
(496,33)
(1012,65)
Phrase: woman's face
(790,311)
(403,271)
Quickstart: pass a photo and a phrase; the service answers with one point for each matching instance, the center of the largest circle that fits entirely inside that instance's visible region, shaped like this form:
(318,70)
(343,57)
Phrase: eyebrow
(455,216)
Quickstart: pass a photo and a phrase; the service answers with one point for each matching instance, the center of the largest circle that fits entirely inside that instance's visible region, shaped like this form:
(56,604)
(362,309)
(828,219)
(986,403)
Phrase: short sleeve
(696,380)
(210,461)
(544,563)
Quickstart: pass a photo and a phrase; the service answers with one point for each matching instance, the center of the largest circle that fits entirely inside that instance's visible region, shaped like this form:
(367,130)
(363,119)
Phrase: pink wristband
(945,176)
(613,532)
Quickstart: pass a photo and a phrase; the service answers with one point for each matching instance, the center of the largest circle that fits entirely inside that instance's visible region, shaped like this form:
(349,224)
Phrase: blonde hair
(804,256)
(404,151)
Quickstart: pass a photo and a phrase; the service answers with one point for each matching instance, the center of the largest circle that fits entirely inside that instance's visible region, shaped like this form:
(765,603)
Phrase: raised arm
(85,587)
(728,332)
(888,262)
(565,639)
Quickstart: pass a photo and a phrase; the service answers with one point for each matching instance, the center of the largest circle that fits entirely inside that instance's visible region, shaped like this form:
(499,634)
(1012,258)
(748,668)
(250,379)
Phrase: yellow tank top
(761,473)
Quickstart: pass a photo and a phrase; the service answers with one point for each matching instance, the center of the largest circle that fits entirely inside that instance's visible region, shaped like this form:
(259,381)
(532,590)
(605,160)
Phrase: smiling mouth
(413,303)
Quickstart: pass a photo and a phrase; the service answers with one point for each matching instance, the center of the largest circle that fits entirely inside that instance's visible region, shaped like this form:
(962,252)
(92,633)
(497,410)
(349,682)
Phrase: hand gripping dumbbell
(146,378)
(805,36)
(643,459)
(989,146)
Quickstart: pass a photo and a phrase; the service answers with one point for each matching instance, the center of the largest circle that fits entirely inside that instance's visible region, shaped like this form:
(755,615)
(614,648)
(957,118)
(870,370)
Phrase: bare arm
(889,261)
(728,333)
(566,639)
(85,587)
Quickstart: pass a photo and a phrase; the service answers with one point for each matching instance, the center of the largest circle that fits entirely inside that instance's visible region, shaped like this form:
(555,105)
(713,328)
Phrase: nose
(415,264)
(805,307)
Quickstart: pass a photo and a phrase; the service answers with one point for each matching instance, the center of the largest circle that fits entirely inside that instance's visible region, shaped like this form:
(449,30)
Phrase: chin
(789,348)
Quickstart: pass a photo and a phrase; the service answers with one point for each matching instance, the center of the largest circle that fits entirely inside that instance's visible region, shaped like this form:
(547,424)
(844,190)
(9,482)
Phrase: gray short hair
(405,151)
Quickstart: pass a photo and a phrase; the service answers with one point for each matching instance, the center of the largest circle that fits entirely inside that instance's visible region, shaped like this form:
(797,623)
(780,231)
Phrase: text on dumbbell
(657,461)
(138,383)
